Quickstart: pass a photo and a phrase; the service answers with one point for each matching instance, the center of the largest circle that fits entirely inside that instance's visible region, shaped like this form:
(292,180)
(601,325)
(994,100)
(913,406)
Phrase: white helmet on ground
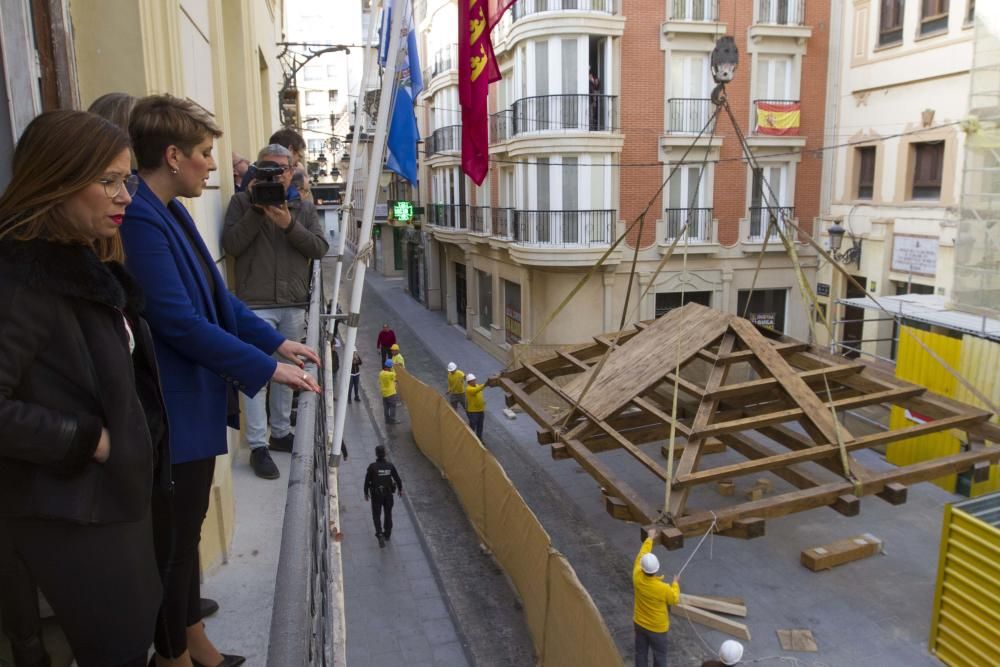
(452,367)
(650,564)
(731,652)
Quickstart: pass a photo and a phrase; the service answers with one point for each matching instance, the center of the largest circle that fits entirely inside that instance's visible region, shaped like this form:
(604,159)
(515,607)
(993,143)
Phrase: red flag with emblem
(477,69)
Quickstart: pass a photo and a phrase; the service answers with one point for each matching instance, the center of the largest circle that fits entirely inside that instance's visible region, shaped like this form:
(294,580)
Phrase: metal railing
(555,113)
(688,115)
(564,228)
(302,617)
(698,221)
(500,125)
(756,115)
(443,60)
(452,216)
(694,10)
(444,140)
(528,7)
(479,220)
(503,226)
(760,219)
(781,12)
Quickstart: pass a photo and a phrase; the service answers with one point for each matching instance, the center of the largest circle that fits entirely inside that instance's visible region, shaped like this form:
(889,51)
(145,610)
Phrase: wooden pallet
(777,402)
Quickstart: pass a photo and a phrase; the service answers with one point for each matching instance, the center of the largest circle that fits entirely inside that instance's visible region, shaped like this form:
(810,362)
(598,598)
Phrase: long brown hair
(60,153)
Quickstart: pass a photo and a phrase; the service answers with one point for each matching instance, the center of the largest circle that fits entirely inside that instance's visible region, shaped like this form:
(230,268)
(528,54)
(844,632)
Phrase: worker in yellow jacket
(456,387)
(387,385)
(652,596)
(475,404)
(397,358)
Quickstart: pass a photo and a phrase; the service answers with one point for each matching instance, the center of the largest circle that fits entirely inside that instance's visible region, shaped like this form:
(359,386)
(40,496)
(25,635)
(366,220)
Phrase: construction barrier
(965,626)
(976,359)
(566,627)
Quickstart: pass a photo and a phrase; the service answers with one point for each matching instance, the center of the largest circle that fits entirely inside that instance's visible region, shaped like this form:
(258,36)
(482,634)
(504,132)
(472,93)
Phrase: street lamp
(322,160)
(850,256)
(724,60)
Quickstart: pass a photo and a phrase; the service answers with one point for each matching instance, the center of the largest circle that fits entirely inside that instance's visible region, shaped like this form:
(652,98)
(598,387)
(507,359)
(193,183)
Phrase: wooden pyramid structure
(775,401)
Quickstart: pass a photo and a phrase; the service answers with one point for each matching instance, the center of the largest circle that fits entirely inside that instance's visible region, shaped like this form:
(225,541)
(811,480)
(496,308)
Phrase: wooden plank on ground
(797,640)
(713,604)
(843,551)
(710,620)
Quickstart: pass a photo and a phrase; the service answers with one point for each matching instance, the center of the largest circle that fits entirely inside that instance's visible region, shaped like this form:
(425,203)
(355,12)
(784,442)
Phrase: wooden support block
(713,604)
(616,508)
(710,620)
(797,640)
(509,400)
(745,529)
(725,487)
(847,504)
(711,446)
(559,452)
(981,471)
(759,490)
(671,538)
(894,493)
(840,552)
(765,483)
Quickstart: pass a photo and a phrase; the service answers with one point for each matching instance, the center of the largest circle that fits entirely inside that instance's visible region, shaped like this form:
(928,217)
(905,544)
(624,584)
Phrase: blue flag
(401,145)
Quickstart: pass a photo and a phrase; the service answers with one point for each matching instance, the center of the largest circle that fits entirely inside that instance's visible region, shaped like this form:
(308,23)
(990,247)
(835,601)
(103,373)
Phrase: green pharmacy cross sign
(402,211)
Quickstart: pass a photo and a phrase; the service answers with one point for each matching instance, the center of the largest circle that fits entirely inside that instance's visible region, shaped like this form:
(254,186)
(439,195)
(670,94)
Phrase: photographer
(273,241)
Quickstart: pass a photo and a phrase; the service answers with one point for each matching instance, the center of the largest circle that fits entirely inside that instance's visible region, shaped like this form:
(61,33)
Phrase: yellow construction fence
(565,625)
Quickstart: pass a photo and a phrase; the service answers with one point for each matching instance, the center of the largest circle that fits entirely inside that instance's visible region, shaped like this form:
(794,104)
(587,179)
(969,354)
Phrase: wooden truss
(775,401)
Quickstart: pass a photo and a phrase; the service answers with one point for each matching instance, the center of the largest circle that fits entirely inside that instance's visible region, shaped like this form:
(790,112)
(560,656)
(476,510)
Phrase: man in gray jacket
(274,247)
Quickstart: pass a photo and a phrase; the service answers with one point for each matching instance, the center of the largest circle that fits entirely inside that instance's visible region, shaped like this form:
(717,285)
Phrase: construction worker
(652,597)
(456,387)
(397,358)
(475,404)
(381,481)
(730,653)
(387,384)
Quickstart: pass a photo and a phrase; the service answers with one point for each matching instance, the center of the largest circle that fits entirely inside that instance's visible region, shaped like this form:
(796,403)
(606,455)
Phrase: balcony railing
(781,12)
(698,221)
(694,10)
(503,223)
(556,113)
(688,115)
(452,216)
(564,228)
(528,7)
(500,125)
(444,140)
(442,61)
(760,220)
(479,220)
(777,117)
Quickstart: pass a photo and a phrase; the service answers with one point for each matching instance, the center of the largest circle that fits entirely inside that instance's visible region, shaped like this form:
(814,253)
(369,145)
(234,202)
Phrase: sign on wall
(914,254)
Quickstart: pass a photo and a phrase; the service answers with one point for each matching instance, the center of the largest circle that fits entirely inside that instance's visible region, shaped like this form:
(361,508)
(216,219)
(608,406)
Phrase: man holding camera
(274,241)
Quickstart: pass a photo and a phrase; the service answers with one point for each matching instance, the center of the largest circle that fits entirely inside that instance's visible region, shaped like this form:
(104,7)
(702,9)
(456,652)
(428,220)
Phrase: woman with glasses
(208,344)
(81,414)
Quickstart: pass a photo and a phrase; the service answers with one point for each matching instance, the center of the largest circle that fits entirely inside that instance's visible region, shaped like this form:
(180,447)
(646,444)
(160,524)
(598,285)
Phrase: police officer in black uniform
(381,481)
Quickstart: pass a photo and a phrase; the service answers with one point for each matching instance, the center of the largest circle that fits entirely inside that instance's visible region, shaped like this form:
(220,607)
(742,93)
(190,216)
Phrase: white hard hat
(731,652)
(470,377)
(452,367)
(650,564)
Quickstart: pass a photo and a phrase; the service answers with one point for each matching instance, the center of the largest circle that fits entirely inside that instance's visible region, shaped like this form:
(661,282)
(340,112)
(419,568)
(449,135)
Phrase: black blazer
(66,371)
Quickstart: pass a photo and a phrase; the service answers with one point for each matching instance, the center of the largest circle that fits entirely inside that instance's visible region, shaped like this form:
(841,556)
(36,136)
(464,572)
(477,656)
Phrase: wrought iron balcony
(781,12)
(563,228)
(524,8)
(444,140)
(503,226)
(760,220)
(479,220)
(442,61)
(694,10)
(452,216)
(698,221)
(559,113)
(501,123)
(688,115)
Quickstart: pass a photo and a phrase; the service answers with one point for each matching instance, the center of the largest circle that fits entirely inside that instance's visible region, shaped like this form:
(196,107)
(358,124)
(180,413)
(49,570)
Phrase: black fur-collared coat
(66,371)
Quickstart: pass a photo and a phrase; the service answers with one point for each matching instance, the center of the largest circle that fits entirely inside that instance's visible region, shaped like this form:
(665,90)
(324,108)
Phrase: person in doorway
(381,481)
(355,378)
(397,357)
(386,339)
(475,405)
(730,653)
(274,247)
(652,597)
(387,385)
(594,85)
(456,387)
(240,167)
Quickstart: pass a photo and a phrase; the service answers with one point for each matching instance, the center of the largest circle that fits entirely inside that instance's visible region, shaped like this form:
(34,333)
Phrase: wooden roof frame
(631,402)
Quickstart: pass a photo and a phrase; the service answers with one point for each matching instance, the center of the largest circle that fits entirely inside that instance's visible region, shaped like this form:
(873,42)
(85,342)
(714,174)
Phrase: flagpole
(368,217)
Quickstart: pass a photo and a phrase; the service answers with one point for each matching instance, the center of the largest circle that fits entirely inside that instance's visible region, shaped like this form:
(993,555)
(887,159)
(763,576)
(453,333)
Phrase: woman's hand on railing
(294,351)
(294,377)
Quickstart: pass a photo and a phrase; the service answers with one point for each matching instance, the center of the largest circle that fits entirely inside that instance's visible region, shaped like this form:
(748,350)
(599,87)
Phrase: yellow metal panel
(979,364)
(916,365)
(965,626)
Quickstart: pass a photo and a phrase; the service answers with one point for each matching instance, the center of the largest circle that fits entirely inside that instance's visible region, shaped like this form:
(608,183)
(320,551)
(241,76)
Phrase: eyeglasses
(113,186)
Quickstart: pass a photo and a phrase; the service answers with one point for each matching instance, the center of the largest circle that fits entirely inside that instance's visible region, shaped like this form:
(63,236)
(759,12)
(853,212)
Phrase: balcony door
(770,190)
(686,204)
(774,78)
(690,88)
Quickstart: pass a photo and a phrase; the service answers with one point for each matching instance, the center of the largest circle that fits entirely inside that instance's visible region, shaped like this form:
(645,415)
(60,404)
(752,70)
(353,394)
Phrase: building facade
(600,101)
(897,97)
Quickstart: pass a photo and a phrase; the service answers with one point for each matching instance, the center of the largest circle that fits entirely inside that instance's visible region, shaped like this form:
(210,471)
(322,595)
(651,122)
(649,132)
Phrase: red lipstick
(117,219)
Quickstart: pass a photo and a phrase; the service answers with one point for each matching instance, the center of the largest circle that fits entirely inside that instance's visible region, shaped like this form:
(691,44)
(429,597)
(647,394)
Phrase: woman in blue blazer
(208,344)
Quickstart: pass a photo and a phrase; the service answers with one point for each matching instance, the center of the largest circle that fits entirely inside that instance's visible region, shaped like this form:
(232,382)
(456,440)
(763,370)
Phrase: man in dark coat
(381,481)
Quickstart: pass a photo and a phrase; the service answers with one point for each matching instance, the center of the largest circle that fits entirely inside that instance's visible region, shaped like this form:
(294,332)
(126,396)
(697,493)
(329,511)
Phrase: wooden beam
(747,355)
(641,511)
(537,412)
(710,620)
(745,529)
(789,438)
(766,384)
(714,604)
(894,493)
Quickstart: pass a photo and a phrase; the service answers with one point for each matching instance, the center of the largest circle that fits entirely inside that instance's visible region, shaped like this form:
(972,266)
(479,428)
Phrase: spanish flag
(778,118)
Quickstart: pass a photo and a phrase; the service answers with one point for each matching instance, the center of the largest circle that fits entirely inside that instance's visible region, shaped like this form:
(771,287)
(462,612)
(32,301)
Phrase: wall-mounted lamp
(322,159)
(850,256)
